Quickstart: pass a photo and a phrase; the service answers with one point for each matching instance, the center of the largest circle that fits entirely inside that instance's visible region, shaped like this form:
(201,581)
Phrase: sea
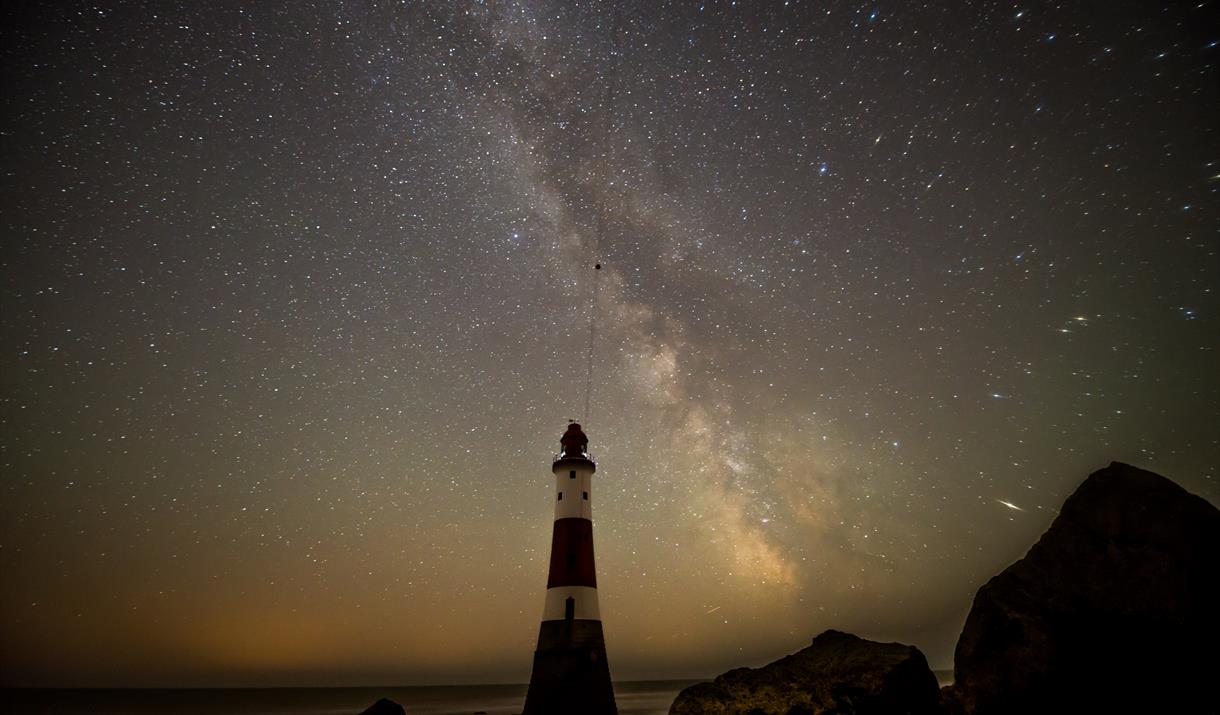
(651,697)
(644,697)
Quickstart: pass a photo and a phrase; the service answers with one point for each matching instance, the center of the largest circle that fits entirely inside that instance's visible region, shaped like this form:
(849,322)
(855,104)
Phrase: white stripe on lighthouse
(584,603)
(577,498)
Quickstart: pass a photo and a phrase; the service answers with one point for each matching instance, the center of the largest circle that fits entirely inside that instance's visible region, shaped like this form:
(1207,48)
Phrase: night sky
(296,303)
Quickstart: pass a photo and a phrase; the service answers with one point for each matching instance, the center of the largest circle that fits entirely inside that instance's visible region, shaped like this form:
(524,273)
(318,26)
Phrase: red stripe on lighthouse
(572,554)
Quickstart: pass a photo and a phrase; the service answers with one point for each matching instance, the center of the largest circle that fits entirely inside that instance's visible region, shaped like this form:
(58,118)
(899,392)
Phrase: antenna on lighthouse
(592,335)
(608,103)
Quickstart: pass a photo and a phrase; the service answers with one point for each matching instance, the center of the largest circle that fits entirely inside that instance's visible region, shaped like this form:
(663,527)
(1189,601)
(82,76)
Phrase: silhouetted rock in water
(385,707)
(1114,610)
(839,673)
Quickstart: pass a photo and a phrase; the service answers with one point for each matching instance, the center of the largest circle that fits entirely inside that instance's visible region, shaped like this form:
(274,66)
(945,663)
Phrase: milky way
(296,305)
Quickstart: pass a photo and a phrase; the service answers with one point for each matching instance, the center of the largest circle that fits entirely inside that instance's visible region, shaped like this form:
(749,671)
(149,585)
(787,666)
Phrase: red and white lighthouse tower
(571,674)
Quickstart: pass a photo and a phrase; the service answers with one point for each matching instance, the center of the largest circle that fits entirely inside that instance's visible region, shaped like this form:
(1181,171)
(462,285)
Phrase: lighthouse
(571,674)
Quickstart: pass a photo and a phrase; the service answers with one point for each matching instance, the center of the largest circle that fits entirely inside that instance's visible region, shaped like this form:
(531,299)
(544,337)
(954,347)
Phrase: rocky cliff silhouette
(1116,609)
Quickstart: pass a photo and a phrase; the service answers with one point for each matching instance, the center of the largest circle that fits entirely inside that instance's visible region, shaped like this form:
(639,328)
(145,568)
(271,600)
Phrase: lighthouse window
(572,474)
(560,497)
(586,496)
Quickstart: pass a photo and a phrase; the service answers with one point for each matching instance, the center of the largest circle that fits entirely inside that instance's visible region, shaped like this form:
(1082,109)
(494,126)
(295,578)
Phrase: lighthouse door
(569,609)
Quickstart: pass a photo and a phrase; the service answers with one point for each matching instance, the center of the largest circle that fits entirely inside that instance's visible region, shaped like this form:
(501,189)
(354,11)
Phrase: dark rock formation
(385,707)
(1114,610)
(839,673)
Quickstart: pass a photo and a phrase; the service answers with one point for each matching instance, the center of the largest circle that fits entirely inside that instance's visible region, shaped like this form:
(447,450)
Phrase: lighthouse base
(571,674)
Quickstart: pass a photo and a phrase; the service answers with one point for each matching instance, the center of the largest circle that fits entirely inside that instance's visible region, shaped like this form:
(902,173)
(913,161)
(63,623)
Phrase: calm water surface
(634,698)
